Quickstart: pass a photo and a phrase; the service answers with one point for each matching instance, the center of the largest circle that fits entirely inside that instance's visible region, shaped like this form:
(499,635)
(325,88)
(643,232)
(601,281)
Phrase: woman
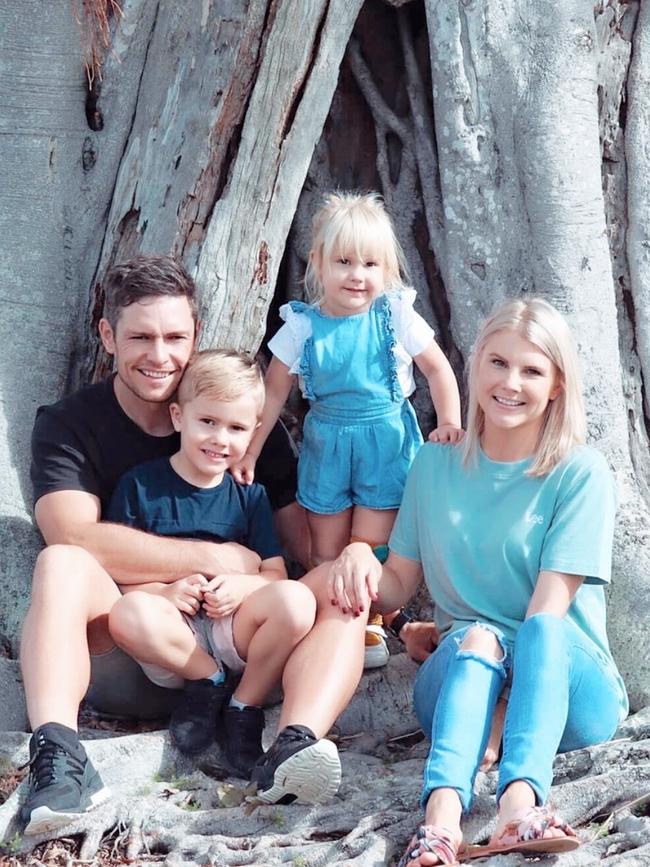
(513,533)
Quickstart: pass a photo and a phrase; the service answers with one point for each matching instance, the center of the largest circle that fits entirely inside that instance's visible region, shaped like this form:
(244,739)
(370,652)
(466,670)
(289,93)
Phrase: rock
(166,804)
(13,712)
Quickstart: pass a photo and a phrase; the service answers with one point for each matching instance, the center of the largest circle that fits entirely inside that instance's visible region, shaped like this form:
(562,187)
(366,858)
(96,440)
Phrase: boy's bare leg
(266,628)
(67,620)
(152,630)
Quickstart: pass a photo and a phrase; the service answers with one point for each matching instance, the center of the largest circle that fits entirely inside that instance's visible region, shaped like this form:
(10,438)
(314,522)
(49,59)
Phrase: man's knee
(64,570)
(294,607)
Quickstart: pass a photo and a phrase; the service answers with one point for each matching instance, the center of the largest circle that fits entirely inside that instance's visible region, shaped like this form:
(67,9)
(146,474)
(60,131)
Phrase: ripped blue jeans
(562,698)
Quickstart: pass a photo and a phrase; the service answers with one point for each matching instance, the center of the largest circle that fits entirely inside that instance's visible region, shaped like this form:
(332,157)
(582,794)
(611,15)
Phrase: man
(81,446)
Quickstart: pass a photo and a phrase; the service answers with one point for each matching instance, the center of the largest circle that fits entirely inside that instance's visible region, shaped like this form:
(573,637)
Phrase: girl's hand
(224,594)
(354,578)
(447,433)
(186,593)
(244,470)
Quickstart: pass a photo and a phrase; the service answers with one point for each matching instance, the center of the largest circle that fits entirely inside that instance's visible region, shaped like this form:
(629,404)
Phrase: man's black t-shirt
(86,442)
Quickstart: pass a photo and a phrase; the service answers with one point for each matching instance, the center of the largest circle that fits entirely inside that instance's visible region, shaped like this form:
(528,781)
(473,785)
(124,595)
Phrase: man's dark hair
(146,277)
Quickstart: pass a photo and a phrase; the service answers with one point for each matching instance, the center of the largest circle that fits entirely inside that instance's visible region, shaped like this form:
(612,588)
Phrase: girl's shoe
(376,652)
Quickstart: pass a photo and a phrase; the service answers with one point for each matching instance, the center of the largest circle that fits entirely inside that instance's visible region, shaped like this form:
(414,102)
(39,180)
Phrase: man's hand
(244,470)
(186,594)
(224,594)
(420,639)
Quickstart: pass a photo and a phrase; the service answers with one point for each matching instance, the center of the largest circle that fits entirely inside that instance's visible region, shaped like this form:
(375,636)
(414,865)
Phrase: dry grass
(93,18)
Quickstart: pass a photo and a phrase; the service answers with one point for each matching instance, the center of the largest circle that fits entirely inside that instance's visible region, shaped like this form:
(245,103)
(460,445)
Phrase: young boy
(205,630)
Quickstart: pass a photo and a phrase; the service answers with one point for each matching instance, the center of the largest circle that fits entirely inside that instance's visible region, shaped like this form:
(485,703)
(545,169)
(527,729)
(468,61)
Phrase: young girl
(352,349)
(515,546)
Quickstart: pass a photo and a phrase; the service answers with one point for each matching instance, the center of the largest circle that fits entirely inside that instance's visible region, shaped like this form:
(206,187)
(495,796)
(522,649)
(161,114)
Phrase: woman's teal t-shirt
(484,533)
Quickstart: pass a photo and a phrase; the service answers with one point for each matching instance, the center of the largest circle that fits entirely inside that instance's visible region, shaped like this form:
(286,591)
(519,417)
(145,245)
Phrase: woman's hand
(353,579)
(186,593)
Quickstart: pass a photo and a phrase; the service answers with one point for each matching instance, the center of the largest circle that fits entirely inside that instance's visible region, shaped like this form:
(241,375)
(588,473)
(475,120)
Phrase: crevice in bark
(198,206)
(300,85)
(95,363)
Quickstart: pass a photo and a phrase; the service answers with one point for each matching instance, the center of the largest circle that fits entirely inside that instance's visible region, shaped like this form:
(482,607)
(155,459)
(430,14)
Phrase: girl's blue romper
(360,434)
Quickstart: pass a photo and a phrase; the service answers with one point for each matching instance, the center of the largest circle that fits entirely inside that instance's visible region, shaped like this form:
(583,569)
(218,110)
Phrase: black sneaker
(298,767)
(240,738)
(63,784)
(192,726)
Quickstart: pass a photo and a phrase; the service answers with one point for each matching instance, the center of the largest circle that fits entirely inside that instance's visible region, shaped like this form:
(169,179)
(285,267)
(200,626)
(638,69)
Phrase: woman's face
(514,385)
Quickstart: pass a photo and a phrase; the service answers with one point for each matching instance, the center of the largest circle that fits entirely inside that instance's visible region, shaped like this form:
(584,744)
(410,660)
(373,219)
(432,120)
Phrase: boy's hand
(244,470)
(224,594)
(446,433)
(186,593)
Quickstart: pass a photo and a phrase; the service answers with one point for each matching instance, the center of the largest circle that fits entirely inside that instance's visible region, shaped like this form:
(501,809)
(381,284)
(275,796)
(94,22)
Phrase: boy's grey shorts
(119,687)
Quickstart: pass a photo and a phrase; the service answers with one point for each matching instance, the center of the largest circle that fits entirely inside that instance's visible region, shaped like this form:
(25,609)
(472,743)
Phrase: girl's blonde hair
(564,424)
(354,223)
(221,374)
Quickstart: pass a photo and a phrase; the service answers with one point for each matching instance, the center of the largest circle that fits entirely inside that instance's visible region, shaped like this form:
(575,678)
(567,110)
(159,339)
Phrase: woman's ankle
(518,796)
(444,810)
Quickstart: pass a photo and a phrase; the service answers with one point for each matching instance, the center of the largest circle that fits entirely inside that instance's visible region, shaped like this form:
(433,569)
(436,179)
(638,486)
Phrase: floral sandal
(525,833)
(433,839)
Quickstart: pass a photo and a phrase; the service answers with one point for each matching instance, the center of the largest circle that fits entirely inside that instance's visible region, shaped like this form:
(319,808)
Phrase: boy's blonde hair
(222,374)
(354,223)
(564,424)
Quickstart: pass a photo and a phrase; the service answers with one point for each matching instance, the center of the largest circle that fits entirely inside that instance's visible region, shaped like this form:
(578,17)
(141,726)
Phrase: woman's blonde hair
(564,424)
(221,374)
(354,223)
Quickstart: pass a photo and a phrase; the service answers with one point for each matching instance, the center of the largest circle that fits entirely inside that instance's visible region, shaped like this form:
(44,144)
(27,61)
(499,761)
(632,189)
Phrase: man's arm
(129,555)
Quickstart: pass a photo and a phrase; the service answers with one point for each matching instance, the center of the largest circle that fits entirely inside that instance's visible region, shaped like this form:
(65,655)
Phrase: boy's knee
(483,642)
(130,617)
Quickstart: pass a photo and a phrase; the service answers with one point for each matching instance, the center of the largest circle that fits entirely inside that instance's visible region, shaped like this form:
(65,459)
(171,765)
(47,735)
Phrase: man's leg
(68,616)
(319,680)
(71,598)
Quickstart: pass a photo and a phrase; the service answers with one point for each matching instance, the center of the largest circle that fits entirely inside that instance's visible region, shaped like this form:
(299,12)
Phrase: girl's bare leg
(372,525)
(329,535)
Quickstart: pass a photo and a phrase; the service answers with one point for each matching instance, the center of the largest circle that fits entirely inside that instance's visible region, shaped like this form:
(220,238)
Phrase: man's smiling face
(152,343)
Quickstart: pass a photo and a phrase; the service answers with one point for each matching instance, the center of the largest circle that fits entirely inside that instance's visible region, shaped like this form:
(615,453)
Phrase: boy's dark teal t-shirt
(153,497)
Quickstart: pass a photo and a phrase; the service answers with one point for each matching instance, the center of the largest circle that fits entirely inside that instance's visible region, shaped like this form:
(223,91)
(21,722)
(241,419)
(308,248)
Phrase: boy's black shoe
(298,767)
(240,738)
(192,726)
(62,784)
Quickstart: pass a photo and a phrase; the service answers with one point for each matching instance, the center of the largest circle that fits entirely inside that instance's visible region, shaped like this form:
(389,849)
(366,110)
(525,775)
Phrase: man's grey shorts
(119,687)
